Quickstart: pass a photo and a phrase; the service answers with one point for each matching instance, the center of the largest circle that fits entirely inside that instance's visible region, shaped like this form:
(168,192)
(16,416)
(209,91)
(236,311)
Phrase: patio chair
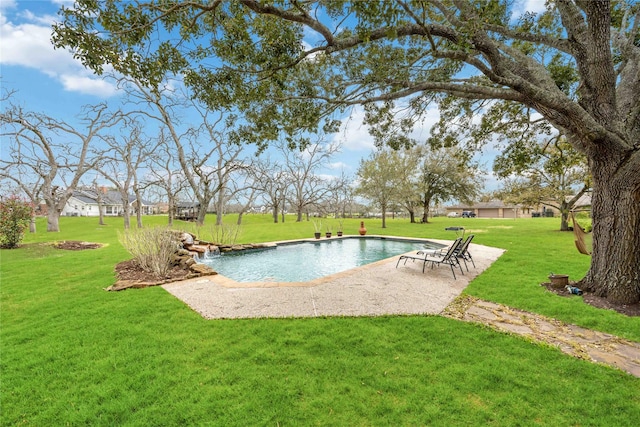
(463,252)
(450,258)
(434,257)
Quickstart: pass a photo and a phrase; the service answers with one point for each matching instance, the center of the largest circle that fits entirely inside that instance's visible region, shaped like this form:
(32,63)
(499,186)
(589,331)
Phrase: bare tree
(53,151)
(165,174)
(204,152)
(244,189)
(272,183)
(340,195)
(99,198)
(121,164)
(306,187)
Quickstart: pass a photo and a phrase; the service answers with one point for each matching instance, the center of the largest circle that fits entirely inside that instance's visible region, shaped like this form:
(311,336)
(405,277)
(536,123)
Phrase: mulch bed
(596,301)
(130,271)
(76,245)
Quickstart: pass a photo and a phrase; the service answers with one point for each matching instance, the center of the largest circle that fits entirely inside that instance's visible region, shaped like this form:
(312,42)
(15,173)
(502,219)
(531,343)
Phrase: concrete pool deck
(370,290)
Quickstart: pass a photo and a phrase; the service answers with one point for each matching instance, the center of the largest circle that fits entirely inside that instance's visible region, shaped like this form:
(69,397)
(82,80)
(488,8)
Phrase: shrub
(152,248)
(15,215)
(224,234)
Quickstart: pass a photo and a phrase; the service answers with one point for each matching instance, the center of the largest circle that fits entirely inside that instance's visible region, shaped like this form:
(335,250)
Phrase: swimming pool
(308,260)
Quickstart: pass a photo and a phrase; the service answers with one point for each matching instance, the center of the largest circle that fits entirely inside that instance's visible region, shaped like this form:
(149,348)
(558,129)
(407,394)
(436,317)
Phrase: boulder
(187,262)
(203,270)
(201,249)
(187,238)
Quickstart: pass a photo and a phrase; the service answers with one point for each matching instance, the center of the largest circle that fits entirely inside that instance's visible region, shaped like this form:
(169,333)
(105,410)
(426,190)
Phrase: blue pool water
(300,262)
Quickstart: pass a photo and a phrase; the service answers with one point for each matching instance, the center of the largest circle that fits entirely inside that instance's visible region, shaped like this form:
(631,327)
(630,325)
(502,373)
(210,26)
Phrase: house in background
(186,211)
(84,202)
(499,209)
(492,209)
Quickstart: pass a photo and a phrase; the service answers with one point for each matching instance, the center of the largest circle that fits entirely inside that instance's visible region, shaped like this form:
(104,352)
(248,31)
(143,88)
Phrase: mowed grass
(73,354)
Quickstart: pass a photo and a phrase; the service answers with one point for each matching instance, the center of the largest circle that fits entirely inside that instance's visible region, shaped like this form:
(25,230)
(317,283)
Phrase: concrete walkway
(382,289)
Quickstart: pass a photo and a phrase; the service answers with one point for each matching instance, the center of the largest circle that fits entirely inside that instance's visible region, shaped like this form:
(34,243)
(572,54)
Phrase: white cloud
(326,177)
(422,129)
(354,135)
(522,6)
(7,4)
(67,3)
(28,44)
(87,85)
(338,166)
(536,6)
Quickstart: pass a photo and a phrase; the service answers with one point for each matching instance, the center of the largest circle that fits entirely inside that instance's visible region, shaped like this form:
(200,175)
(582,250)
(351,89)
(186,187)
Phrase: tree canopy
(290,64)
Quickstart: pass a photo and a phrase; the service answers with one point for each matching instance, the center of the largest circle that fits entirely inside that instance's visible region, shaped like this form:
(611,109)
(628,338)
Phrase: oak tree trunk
(202,213)
(426,201)
(53,216)
(615,259)
(564,216)
(53,221)
(172,208)
(126,215)
(384,215)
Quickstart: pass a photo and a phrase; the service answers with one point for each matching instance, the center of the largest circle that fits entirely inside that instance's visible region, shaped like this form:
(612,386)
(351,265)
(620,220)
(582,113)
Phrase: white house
(85,203)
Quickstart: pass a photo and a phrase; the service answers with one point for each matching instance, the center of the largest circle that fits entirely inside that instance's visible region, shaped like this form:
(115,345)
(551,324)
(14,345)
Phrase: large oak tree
(288,63)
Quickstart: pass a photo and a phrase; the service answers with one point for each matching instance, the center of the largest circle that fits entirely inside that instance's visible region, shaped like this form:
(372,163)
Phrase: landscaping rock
(201,249)
(203,270)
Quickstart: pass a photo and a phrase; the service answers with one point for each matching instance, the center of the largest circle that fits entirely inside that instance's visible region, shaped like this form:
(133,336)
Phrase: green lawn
(73,354)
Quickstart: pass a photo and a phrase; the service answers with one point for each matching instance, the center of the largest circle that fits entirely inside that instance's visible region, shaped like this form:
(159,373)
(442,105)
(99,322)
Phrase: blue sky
(52,82)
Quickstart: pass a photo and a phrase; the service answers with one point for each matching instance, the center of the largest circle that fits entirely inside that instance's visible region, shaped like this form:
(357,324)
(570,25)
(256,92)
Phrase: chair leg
(455,262)
(471,259)
(465,262)
(424,264)
(400,259)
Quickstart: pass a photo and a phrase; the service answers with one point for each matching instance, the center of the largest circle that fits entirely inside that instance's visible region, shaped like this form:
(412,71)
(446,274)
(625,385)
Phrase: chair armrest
(431,252)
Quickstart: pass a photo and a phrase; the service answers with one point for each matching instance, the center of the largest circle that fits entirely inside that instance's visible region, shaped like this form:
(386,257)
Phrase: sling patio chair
(448,257)
(463,252)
